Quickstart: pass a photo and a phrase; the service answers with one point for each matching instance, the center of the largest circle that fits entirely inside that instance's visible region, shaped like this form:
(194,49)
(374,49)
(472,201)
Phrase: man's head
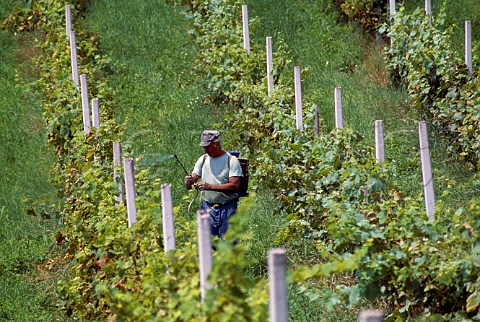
(208,137)
(210,142)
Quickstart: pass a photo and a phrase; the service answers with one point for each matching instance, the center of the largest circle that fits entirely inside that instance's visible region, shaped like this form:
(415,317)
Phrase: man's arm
(233,185)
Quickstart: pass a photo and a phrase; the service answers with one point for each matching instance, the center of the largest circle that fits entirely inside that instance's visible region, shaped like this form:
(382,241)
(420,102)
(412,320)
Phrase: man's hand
(189,182)
(203,186)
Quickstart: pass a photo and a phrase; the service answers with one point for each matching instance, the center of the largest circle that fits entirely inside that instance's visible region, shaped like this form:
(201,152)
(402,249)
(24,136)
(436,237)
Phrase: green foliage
(368,12)
(332,191)
(329,187)
(437,79)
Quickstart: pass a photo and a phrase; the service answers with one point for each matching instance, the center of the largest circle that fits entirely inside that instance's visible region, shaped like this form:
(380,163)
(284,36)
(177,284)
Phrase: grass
(158,98)
(28,224)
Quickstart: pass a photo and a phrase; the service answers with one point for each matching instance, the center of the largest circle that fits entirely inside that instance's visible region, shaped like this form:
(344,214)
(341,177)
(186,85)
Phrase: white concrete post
(246,35)
(338,108)
(277,285)
(428,10)
(316,121)
(298,98)
(269,66)
(167,218)
(379,141)
(85,104)
(371,316)
(468,46)
(117,163)
(73,58)
(392,8)
(204,251)
(68,20)
(426,170)
(128,167)
(95,113)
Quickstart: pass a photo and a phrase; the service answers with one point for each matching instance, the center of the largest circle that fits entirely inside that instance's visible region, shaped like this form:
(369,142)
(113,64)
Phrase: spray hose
(199,192)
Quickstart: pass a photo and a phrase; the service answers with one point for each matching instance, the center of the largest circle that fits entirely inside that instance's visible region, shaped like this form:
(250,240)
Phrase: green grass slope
(26,227)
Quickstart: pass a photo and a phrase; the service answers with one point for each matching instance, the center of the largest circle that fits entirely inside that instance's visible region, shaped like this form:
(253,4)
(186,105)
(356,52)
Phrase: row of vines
(329,187)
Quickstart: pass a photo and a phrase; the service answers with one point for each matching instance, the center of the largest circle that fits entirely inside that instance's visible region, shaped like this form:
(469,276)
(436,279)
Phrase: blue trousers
(219,216)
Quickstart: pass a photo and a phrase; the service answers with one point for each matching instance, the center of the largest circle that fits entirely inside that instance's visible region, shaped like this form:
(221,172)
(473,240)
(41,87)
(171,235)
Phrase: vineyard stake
(128,168)
(68,20)
(338,108)
(468,46)
(95,114)
(269,65)
(167,218)
(204,250)
(392,8)
(316,121)
(277,286)
(85,104)
(246,35)
(428,10)
(379,141)
(73,58)
(298,98)
(117,163)
(426,170)
(371,316)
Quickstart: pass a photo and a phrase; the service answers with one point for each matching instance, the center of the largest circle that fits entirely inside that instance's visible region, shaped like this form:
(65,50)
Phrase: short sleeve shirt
(218,171)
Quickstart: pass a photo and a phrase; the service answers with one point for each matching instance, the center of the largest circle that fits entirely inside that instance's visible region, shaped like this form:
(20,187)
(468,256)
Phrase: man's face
(209,148)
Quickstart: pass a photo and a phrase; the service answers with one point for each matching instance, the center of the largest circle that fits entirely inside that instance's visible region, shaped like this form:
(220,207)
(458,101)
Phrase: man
(219,174)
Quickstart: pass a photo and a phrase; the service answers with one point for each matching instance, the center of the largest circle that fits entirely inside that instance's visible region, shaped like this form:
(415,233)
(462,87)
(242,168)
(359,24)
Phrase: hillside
(154,87)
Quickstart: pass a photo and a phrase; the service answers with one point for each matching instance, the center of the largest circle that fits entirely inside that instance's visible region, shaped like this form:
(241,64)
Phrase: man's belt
(218,205)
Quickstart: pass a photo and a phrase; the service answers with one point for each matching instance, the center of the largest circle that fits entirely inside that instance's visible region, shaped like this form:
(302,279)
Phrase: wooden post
(167,217)
(117,163)
(85,104)
(128,168)
(73,58)
(379,141)
(338,108)
(298,98)
(426,170)
(316,121)
(269,66)
(246,35)
(277,285)
(204,250)
(371,316)
(95,113)
(468,46)
(392,8)
(68,20)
